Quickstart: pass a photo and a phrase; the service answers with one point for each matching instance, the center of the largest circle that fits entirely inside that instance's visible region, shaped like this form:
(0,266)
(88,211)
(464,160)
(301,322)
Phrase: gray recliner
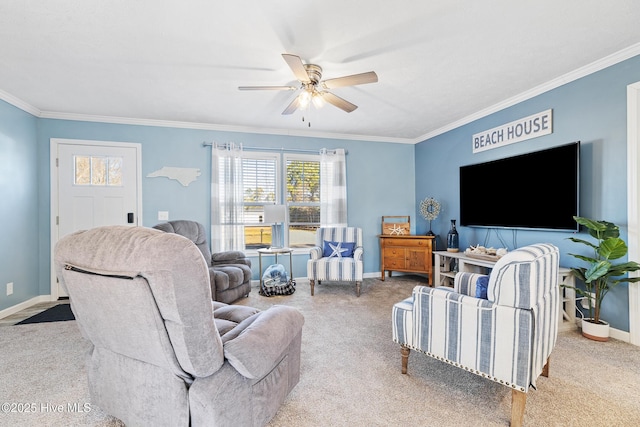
(230,271)
(163,353)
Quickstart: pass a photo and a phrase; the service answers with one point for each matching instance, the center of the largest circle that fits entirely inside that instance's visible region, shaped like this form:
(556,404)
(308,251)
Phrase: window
(263,185)
(260,187)
(294,180)
(302,179)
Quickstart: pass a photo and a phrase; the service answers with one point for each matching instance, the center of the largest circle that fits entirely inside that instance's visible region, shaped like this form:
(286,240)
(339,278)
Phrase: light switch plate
(163,215)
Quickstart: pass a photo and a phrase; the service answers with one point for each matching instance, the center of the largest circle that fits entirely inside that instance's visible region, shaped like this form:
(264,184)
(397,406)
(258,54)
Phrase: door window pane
(98,170)
(82,170)
(114,177)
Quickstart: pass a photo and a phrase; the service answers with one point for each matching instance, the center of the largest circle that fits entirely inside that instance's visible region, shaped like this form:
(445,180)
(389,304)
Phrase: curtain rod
(282,149)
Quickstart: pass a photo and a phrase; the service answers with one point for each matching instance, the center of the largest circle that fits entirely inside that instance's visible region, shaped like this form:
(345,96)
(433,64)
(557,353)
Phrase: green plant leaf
(585,258)
(590,223)
(611,230)
(612,248)
(579,272)
(584,242)
(599,229)
(597,270)
(624,268)
(628,280)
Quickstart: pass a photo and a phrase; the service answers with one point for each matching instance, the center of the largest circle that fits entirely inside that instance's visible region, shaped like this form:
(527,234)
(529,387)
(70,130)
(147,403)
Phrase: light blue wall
(592,110)
(380,177)
(18,205)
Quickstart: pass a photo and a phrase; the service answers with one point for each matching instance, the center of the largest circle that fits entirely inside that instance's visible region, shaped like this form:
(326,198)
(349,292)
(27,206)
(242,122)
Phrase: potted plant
(601,275)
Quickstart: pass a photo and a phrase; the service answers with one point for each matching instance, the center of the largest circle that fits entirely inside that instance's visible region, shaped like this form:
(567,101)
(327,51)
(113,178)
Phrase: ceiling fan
(313,88)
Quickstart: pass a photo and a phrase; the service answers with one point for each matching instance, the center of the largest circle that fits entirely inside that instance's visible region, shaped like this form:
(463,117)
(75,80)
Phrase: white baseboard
(24,305)
(619,335)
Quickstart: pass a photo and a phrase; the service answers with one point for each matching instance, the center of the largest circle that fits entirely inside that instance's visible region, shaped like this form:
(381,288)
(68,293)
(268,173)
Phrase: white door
(96,183)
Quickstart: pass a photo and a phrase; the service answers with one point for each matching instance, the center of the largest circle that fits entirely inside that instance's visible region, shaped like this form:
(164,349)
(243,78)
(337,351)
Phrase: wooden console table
(447,264)
(411,254)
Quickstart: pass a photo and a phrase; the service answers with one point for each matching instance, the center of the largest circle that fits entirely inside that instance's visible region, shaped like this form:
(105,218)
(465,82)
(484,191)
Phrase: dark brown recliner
(230,271)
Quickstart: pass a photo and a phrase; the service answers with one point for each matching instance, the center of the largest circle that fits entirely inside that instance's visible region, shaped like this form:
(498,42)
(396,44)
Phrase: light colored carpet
(350,373)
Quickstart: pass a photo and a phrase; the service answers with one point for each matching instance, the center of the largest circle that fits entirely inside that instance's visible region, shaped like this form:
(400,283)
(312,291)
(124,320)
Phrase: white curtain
(333,188)
(227,201)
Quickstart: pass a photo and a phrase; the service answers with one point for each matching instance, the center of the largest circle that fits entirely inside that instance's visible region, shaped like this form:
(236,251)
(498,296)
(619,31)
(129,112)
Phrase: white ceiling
(439,62)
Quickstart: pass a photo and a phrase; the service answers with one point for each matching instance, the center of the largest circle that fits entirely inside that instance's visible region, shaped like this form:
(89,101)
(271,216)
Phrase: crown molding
(17,102)
(595,66)
(223,128)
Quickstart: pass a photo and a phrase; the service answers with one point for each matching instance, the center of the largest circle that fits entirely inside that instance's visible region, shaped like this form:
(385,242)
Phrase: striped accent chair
(336,268)
(506,338)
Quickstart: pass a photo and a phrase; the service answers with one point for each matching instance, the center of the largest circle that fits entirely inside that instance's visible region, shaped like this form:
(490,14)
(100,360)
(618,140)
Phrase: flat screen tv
(538,190)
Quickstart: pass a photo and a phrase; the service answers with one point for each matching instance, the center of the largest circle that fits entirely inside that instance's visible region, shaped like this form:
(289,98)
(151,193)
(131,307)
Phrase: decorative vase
(452,238)
(595,331)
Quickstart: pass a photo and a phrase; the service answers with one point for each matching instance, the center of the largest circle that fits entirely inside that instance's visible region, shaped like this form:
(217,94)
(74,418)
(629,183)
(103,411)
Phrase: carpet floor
(350,373)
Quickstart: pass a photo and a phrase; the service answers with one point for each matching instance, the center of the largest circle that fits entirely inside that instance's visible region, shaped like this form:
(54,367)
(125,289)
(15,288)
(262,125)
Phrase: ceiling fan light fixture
(304,99)
(317,99)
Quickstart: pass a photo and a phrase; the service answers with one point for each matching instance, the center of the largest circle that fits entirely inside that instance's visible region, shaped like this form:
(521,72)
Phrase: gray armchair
(163,353)
(230,271)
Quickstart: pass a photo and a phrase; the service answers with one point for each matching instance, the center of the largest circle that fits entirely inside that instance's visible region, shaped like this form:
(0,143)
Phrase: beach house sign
(519,130)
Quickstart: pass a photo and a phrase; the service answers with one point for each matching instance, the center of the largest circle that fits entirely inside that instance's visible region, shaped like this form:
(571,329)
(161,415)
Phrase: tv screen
(538,190)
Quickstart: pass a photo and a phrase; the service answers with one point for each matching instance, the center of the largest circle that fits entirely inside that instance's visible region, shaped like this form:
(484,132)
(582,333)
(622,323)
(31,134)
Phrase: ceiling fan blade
(267,88)
(338,102)
(355,79)
(292,106)
(295,63)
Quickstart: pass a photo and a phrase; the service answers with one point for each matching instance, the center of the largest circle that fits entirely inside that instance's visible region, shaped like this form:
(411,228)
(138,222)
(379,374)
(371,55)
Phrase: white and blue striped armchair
(507,337)
(337,256)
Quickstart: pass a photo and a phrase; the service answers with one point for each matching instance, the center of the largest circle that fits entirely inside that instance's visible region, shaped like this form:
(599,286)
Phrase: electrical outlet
(163,215)
(9,288)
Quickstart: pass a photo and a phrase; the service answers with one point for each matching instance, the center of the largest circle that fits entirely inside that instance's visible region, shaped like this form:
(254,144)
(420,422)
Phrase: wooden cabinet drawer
(393,252)
(394,263)
(419,243)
